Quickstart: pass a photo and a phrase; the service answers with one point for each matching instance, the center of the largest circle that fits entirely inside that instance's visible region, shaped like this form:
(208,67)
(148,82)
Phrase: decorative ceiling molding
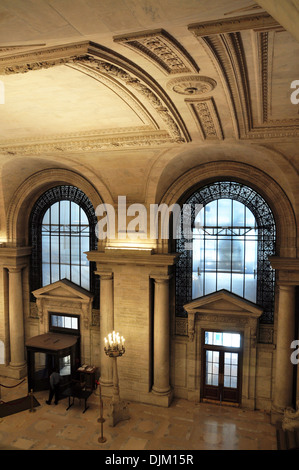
(192,85)
(86,143)
(227,53)
(161,49)
(206,117)
(134,85)
(257,22)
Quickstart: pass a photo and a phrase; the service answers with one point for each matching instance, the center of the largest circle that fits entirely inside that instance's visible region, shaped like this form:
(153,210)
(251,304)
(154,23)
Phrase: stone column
(16,318)
(106,326)
(161,384)
(283,387)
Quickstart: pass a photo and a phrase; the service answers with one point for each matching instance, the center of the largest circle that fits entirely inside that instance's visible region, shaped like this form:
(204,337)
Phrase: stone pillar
(16,320)
(161,384)
(283,387)
(106,326)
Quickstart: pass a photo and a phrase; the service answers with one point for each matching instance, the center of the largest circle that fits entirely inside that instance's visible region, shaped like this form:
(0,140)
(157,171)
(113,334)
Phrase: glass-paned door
(221,376)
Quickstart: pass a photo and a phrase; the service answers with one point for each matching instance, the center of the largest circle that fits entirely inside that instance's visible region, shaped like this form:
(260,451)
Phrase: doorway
(221,366)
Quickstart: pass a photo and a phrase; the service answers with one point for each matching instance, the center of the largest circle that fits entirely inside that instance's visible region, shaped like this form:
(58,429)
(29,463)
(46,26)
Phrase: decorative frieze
(160,48)
(206,117)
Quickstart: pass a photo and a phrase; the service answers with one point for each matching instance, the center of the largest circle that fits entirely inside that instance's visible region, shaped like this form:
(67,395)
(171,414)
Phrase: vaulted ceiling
(120,88)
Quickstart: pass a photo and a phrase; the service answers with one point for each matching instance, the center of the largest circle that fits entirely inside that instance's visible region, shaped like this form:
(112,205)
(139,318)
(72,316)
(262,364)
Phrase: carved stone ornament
(192,85)
(223,307)
(162,49)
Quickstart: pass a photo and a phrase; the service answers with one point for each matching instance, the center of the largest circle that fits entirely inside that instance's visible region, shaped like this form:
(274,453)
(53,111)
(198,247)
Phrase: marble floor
(182,426)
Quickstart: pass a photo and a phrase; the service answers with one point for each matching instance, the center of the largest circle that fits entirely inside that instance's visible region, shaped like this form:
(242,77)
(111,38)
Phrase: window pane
(210,283)
(224,212)
(75,274)
(85,277)
(75,210)
(238,254)
(64,212)
(46,274)
(84,219)
(54,214)
(238,214)
(224,254)
(54,249)
(211,214)
(67,322)
(238,284)
(55,272)
(74,323)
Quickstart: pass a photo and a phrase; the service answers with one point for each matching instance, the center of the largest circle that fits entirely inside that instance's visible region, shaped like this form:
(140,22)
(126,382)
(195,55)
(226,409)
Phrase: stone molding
(257,22)
(103,65)
(205,114)
(161,49)
(223,43)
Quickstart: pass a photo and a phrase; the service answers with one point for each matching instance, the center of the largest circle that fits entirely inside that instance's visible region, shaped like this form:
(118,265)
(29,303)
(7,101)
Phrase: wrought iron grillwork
(50,197)
(265,245)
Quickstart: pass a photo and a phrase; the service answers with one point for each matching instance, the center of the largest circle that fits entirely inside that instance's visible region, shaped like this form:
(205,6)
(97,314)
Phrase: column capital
(15,269)
(161,278)
(104,275)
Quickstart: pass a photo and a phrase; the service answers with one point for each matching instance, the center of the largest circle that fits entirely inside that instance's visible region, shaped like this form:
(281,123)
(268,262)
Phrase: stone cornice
(258,22)
(284,264)
(131,256)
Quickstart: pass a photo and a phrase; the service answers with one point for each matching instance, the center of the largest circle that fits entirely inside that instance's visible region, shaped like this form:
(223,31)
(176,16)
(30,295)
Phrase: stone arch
(26,195)
(273,194)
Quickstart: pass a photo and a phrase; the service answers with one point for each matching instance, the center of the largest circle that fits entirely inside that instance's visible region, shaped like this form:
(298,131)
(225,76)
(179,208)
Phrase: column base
(106,388)
(161,398)
(118,411)
(16,371)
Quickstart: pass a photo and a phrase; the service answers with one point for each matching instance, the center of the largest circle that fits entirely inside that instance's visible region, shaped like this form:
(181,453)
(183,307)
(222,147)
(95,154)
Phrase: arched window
(233,237)
(62,227)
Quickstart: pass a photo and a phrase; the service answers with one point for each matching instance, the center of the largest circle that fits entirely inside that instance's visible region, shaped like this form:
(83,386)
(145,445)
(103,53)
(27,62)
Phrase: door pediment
(221,305)
(63,289)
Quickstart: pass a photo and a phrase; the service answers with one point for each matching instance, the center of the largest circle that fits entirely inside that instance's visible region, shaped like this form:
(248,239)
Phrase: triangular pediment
(223,302)
(63,289)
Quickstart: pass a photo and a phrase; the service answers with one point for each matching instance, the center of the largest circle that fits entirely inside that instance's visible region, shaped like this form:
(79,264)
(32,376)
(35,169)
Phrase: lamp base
(118,411)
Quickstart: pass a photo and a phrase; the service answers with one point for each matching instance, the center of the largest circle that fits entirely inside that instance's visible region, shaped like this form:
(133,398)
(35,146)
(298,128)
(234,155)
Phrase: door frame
(222,350)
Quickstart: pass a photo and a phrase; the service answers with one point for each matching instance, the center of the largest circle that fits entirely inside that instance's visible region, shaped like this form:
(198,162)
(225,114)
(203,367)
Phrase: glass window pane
(211,214)
(250,219)
(64,212)
(46,274)
(238,214)
(75,210)
(84,219)
(75,274)
(85,277)
(74,323)
(225,212)
(67,322)
(238,284)
(238,254)
(210,254)
(224,254)
(54,213)
(55,272)
(210,283)
(54,249)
